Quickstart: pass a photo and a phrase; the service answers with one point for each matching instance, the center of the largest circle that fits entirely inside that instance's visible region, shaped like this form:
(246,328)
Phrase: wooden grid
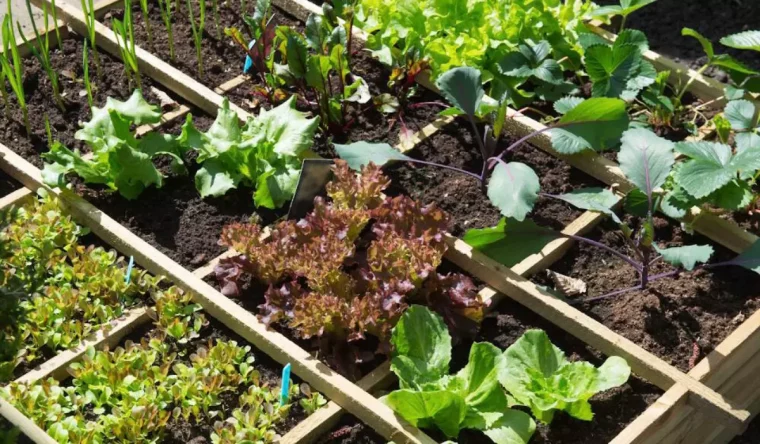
(688,396)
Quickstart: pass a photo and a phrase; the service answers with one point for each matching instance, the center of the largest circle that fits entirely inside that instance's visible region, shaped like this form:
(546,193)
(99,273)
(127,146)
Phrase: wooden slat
(26,425)
(246,324)
(15,198)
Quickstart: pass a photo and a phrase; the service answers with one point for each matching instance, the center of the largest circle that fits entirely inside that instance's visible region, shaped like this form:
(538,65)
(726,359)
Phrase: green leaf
(743,40)
(463,88)
(620,70)
(565,104)
(510,241)
(677,203)
(314,32)
(707,45)
(276,186)
(732,65)
(289,131)
(297,55)
(479,378)
(645,159)
(215,179)
(440,408)
(359,154)
(513,188)
(532,61)
(741,114)
(422,347)
(708,169)
(539,376)
(594,199)
(596,124)
(625,8)
(513,427)
(686,256)
(750,258)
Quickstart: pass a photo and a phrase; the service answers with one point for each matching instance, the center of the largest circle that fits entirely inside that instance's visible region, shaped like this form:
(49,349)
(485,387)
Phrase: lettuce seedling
(537,375)
(351,267)
(513,187)
(429,397)
(265,153)
(120,161)
(177,315)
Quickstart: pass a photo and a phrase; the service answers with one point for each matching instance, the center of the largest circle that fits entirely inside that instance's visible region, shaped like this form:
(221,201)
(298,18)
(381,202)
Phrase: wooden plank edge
(17,197)
(246,324)
(26,425)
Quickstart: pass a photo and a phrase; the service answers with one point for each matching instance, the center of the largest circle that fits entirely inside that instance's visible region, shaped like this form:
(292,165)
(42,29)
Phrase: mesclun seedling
(513,187)
(134,392)
(266,153)
(197,29)
(63,291)
(351,267)
(120,161)
(124,31)
(533,371)
(311,401)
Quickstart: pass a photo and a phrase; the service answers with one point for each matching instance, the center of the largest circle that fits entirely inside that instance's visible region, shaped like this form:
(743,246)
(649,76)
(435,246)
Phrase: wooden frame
(714,395)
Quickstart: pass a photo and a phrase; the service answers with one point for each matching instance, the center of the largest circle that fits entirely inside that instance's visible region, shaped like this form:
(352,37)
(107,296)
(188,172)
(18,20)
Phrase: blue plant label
(285,385)
(129,269)
(248,60)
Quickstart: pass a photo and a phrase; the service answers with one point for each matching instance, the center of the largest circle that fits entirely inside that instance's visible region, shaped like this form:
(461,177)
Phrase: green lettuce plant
(430,397)
(177,315)
(120,161)
(264,153)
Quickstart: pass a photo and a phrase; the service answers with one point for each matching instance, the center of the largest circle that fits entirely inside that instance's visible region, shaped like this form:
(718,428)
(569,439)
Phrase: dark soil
(175,219)
(222,58)
(351,431)
(663,20)
(751,435)
(38,93)
(7,184)
(674,316)
(462,197)
(180,431)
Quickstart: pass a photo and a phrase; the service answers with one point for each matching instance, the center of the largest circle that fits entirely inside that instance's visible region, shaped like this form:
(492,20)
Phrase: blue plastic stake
(129,269)
(248,61)
(285,385)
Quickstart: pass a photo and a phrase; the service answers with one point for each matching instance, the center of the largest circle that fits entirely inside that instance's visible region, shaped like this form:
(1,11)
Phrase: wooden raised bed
(719,395)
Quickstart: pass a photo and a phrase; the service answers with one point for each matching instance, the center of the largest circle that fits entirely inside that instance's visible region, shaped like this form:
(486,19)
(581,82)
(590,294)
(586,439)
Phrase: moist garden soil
(175,219)
(67,61)
(462,196)
(662,21)
(198,431)
(679,319)
(7,184)
(613,409)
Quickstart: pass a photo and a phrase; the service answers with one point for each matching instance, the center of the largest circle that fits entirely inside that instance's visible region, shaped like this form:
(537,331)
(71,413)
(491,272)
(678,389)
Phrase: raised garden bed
(710,389)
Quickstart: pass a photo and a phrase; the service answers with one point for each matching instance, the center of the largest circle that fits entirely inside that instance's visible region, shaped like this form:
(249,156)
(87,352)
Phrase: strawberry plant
(120,161)
(265,153)
(351,267)
(532,372)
